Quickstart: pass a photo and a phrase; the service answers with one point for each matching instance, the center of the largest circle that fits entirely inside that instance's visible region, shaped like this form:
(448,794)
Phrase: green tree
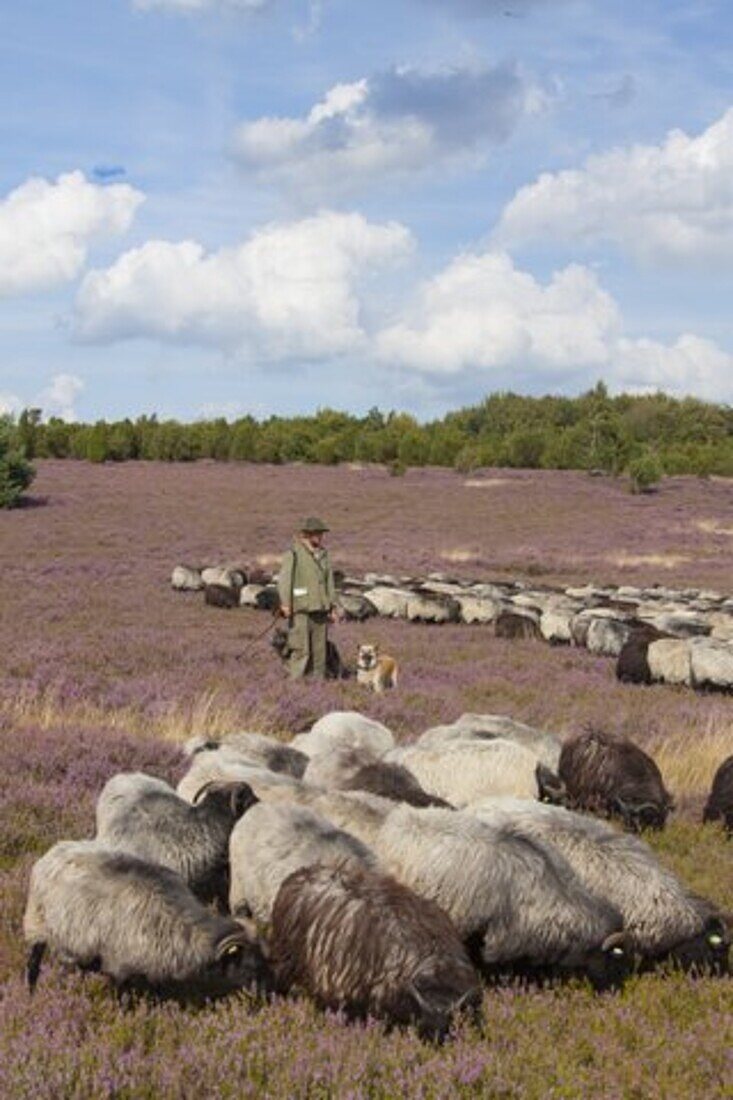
(645,471)
(16,472)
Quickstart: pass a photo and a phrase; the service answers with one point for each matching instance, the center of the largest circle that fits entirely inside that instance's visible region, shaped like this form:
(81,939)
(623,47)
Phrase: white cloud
(394,123)
(691,365)
(10,404)
(483,315)
(288,291)
(669,202)
(46,228)
(59,398)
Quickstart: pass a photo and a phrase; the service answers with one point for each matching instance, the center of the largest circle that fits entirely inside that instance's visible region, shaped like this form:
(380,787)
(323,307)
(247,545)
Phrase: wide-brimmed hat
(312,525)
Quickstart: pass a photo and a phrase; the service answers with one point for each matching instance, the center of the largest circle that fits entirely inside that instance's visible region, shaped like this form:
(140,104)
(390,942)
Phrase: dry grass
(485,482)
(689,762)
(459,554)
(662,561)
(714,527)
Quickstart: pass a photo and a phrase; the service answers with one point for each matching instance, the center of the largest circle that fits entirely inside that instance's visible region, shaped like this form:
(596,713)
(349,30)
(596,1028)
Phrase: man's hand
(285,611)
(335,615)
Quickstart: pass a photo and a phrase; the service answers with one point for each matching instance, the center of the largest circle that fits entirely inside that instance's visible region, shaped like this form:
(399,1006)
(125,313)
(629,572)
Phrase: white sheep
(345,728)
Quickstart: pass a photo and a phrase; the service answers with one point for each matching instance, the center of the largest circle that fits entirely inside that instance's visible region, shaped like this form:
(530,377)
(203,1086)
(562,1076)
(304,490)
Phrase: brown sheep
(614,777)
(632,665)
(719,805)
(358,941)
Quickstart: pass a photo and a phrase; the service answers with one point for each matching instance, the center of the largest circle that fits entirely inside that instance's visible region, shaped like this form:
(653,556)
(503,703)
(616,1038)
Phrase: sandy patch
(266,560)
(664,561)
(459,554)
(714,527)
(485,482)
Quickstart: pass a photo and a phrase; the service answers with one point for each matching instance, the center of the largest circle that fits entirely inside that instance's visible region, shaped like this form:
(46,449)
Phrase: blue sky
(214,207)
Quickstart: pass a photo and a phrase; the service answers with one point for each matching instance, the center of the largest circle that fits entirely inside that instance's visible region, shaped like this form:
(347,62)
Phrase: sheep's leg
(33,966)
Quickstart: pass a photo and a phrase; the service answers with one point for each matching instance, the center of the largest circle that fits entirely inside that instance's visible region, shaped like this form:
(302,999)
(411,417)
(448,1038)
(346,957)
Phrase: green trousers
(307,639)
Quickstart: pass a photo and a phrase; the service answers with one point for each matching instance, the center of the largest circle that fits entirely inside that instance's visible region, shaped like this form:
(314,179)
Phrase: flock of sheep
(379,879)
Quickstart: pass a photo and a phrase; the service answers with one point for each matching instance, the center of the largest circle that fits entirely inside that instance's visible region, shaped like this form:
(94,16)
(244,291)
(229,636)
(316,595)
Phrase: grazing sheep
(464,771)
(522,624)
(662,919)
(345,727)
(356,812)
(271,842)
(345,768)
(358,941)
(613,776)
(515,902)
(136,922)
(264,752)
(488,727)
(145,817)
(719,805)
(221,595)
(632,666)
(228,766)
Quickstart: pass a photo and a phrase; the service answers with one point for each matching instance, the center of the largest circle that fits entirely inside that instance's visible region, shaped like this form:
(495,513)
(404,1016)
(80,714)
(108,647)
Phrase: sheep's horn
(202,791)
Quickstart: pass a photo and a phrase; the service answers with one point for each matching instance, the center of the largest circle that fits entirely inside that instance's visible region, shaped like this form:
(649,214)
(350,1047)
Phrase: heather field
(103,668)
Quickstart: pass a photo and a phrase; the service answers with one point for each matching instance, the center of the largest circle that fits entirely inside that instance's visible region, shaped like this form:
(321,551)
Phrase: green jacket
(307,577)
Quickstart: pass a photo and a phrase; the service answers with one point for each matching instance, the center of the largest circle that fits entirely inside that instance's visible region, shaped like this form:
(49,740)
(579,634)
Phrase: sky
(230,207)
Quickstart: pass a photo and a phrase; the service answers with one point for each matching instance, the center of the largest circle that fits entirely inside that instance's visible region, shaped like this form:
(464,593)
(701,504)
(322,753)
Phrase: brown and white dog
(375,670)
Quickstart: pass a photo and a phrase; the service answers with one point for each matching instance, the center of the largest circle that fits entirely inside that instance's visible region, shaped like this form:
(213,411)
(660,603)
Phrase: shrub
(645,472)
(16,473)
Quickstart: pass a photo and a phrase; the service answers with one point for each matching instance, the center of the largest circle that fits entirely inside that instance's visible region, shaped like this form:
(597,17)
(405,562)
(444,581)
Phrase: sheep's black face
(638,816)
(240,964)
(706,953)
(607,967)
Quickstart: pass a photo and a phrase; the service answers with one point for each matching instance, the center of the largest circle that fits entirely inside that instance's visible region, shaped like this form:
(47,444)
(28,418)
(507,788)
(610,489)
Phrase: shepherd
(308,600)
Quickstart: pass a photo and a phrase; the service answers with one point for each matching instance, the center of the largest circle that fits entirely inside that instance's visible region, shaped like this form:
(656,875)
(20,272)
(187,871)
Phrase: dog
(375,670)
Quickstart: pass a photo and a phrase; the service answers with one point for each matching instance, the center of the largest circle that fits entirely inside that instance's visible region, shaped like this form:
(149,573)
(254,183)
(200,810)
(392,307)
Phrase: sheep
(488,727)
(463,771)
(221,595)
(227,766)
(356,940)
(357,812)
(145,817)
(136,922)
(663,920)
(632,664)
(271,842)
(615,777)
(515,902)
(347,768)
(720,801)
(345,727)
(261,751)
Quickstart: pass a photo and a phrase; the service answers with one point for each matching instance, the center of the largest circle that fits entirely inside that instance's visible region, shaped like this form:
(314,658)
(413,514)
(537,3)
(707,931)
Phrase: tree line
(646,436)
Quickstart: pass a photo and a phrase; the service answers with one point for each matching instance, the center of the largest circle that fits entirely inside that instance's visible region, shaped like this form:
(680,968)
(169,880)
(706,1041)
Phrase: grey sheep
(357,812)
(515,902)
(663,919)
(358,941)
(226,765)
(488,727)
(345,727)
(346,768)
(136,922)
(464,771)
(255,748)
(271,842)
(144,817)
